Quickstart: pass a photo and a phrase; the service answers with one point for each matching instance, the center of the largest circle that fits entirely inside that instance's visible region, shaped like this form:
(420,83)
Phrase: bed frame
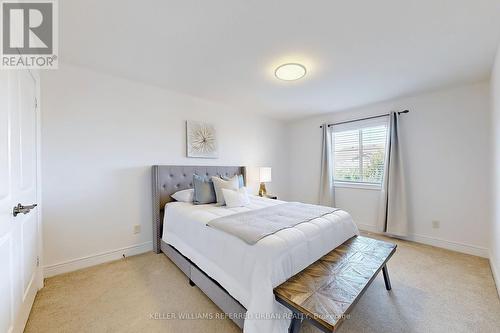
(166,180)
(345,259)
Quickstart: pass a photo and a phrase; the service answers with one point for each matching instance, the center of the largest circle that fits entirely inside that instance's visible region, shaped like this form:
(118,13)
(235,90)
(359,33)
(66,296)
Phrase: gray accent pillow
(219,184)
(204,192)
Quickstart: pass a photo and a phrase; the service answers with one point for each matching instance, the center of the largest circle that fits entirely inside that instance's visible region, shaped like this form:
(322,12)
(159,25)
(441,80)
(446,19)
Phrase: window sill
(373,187)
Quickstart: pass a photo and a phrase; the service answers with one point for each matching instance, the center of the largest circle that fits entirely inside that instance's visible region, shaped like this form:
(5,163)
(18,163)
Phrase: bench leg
(387,281)
(295,324)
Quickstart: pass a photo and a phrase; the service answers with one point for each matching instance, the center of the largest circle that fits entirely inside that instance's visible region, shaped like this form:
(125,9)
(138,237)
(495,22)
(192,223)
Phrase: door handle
(22,209)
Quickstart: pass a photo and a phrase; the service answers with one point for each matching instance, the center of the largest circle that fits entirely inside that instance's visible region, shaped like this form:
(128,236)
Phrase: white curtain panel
(393,218)
(327,190)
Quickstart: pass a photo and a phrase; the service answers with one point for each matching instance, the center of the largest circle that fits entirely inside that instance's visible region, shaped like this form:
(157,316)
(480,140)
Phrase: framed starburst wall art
(201,139)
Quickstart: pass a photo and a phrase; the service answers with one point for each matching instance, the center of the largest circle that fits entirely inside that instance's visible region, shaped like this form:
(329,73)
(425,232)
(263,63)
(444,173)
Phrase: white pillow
(236,198)
(184,195)
(219,184)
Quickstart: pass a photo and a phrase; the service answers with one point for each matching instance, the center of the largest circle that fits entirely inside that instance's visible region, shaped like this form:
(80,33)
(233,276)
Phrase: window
(359,152)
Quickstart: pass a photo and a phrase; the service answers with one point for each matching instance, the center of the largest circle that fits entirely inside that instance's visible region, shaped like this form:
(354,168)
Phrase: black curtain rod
(373,117)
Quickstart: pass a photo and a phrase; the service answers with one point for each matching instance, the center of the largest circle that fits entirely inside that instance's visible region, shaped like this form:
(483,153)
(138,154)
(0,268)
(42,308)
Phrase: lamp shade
(265,175)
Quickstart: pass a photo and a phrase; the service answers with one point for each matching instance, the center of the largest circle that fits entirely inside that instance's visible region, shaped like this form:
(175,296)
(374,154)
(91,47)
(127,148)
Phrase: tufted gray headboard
(168,179)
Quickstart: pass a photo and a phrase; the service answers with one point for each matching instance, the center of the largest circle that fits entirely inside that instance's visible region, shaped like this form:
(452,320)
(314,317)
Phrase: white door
(19,235)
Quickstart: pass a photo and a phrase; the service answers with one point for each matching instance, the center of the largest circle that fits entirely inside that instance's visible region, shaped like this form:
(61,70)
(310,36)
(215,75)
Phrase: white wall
(495,228)
(101,134)
(447,154)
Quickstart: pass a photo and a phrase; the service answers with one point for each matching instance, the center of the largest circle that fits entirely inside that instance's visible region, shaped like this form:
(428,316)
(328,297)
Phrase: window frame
(358,125)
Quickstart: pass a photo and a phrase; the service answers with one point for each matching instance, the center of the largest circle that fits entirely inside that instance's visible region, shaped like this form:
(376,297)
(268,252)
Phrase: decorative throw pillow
(219,184)
(241,181)
(236,198)
(184,195)
(204,192)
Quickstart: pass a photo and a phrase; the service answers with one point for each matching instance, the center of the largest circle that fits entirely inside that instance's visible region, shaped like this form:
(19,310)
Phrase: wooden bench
(326,291)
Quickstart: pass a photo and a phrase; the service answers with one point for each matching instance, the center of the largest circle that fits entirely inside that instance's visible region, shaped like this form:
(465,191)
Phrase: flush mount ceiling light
(290,72)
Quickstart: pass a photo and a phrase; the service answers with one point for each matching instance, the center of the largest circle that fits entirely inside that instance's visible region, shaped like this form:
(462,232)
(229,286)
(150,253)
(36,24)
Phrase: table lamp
(264,177)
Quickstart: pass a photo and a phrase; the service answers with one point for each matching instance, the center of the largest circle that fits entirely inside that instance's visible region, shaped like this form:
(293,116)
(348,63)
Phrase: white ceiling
(356,52)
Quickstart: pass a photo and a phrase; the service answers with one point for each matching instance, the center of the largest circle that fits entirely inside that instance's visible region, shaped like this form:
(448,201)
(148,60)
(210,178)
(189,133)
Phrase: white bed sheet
(250,272)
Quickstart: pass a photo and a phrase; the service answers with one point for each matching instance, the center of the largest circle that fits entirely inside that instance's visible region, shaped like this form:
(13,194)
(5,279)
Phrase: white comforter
(250,272)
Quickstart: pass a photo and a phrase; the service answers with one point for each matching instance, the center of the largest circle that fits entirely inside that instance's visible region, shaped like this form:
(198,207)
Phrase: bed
(238,277)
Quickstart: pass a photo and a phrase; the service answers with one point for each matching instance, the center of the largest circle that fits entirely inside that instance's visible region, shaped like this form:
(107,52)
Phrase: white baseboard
(367,227)
(496,272)
(437,242)
(450,245)
(96,259)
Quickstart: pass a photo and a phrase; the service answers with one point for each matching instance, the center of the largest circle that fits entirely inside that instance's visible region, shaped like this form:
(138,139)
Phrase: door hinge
(36,103)
(37,261)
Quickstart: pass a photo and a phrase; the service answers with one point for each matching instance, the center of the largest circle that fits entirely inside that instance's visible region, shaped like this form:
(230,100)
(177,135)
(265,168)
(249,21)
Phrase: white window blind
(359,152)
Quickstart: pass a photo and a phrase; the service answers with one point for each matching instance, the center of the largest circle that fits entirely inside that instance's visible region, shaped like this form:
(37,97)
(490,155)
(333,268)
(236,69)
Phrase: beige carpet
(434,290)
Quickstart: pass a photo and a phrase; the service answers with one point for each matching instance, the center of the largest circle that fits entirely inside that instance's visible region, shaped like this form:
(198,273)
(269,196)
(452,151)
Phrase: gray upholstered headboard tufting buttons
(168,179)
